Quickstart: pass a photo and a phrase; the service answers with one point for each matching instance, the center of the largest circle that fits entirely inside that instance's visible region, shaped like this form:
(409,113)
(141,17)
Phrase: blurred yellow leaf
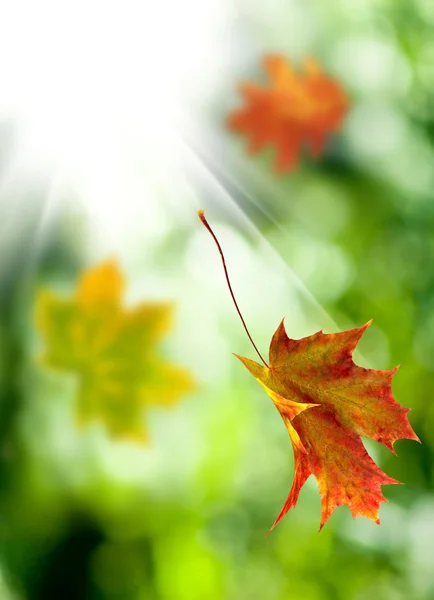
(112,349)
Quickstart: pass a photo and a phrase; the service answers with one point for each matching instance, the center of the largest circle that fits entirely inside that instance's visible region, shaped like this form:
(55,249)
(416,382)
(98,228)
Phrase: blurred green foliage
(83,516)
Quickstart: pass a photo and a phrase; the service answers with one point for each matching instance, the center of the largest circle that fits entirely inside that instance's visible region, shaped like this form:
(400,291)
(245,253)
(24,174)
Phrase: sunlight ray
(46,220)
(217,184)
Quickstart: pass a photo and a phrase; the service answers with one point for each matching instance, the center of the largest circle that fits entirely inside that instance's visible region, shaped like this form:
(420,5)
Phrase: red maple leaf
(328,403)
(344,402)
(292,110)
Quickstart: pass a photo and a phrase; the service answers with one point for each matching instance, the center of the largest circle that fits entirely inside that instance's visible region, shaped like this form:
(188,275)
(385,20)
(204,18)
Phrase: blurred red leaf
(292,110)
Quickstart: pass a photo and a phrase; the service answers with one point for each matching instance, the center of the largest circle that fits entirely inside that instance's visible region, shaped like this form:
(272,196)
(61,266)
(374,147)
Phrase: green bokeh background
(329,246)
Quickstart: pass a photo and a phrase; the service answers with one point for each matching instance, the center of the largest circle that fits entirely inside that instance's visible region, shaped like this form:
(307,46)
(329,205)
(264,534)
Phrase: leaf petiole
(205,222)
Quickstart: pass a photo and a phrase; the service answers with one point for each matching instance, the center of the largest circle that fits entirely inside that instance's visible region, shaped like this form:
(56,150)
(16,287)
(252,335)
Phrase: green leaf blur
(337,242)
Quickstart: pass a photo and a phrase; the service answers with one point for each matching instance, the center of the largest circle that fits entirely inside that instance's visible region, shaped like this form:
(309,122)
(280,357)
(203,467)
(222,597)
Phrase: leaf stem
(205,222)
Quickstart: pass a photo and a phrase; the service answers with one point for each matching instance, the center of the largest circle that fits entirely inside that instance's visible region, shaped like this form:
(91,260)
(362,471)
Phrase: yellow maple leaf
(112,351)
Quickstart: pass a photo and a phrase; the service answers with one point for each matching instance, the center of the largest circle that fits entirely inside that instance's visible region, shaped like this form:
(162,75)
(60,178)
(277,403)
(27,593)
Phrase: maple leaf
(327,403)
(294,109)
(112,351)
(348,402)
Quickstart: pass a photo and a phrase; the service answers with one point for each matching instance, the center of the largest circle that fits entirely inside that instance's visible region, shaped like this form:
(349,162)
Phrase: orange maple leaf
(345,402)
(292,110)
(327,403)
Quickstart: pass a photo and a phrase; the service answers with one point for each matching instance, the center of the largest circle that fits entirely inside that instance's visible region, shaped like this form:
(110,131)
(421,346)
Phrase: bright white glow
(73,70)
(88,82)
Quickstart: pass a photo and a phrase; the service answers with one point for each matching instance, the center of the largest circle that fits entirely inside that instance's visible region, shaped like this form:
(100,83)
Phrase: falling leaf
(112,350)
(327,402)
(292,110)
